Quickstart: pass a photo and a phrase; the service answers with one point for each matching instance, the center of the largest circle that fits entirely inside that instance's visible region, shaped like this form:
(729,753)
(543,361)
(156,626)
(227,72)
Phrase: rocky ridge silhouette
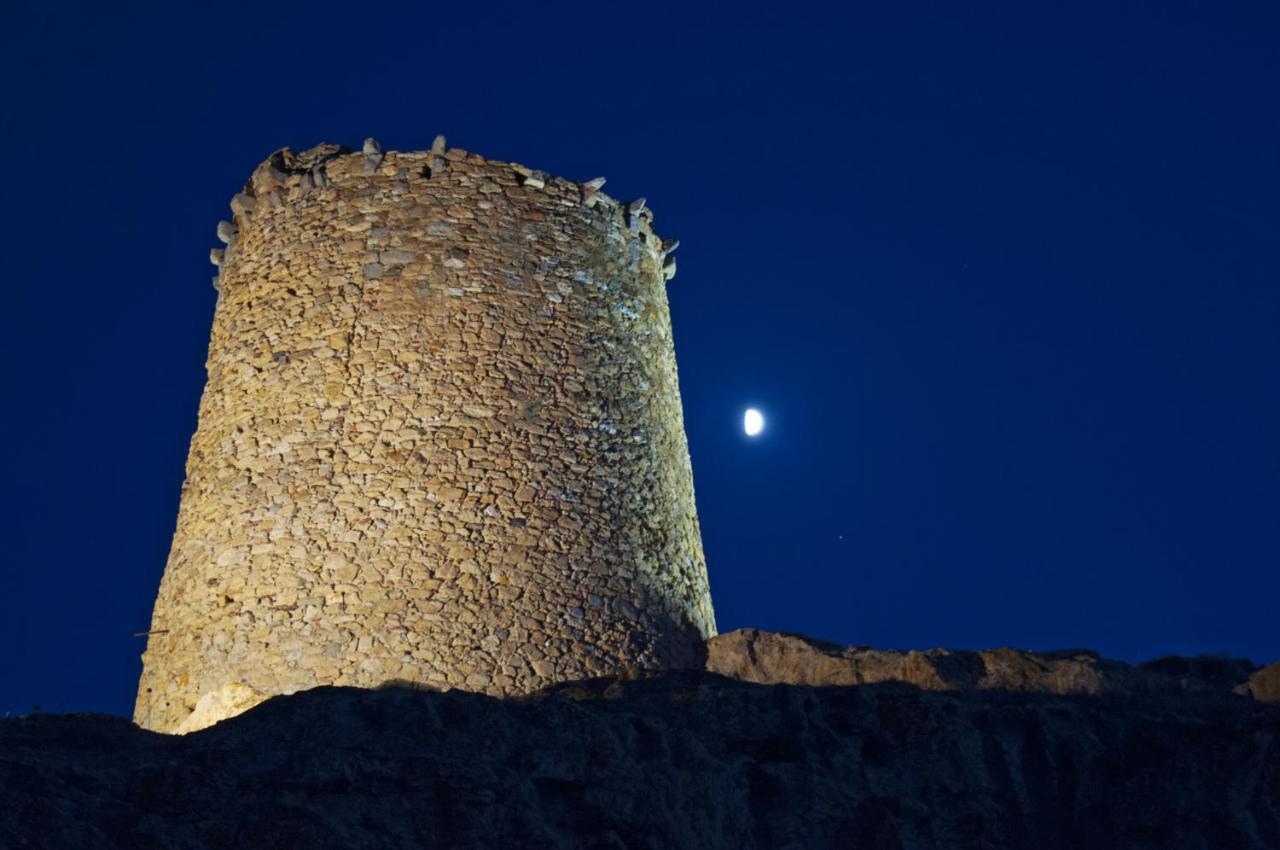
(782,742)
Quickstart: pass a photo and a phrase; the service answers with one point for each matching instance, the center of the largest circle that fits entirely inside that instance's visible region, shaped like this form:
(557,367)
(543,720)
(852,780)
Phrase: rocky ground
(855,748)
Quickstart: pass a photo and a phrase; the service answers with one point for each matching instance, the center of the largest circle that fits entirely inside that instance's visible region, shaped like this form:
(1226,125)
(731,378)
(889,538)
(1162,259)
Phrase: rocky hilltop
(782,742)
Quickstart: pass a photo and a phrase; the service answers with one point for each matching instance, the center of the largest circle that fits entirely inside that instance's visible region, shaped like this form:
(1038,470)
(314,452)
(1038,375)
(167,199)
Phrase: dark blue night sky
(1004,280)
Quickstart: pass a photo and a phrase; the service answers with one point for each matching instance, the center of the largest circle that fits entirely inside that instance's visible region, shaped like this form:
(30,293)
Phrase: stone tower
(440,442)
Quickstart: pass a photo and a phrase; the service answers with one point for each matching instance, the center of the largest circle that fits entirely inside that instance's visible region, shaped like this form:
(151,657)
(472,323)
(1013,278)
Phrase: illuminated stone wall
(441,442)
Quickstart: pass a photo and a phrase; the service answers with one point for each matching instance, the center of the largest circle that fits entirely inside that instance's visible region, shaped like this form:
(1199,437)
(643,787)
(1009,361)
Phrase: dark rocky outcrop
(681,759)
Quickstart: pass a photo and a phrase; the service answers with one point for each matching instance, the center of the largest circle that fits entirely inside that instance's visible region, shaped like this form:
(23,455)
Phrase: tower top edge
(285,172)
(285,162)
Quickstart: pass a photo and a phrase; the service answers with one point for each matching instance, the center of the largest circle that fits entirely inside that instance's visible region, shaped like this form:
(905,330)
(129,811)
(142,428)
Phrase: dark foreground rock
(676,760)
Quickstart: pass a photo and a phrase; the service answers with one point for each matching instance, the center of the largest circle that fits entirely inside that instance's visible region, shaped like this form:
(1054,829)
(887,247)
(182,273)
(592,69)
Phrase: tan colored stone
(415,384)
(212,706)
(776,658)
(1264,685)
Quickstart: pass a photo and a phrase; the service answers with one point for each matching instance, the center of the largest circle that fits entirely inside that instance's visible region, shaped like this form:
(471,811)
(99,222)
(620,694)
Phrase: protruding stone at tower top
(441,442)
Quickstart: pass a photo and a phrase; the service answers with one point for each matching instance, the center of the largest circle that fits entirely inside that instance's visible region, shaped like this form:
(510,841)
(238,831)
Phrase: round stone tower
(440,443)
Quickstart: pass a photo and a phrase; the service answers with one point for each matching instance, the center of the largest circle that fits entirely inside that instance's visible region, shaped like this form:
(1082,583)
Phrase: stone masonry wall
(441,442)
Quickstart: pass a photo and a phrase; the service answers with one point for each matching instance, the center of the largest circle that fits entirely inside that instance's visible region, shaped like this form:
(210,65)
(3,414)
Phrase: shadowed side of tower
(441,442)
